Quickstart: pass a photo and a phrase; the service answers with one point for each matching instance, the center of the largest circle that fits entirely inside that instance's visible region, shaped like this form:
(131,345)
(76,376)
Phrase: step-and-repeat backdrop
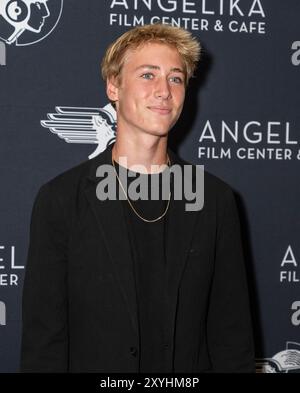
(241,121)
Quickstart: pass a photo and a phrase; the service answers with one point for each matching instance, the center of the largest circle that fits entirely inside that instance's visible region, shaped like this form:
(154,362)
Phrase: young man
(125,285)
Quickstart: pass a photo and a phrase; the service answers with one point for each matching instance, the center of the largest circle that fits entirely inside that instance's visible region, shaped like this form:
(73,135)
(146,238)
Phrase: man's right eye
(147,75)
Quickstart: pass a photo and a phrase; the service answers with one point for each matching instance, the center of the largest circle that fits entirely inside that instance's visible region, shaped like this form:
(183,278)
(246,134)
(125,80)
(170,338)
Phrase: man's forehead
(148,49)
(148,46)
(157,67)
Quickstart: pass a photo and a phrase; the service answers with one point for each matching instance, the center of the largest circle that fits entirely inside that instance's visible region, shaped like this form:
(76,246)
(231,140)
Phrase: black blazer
(79,300)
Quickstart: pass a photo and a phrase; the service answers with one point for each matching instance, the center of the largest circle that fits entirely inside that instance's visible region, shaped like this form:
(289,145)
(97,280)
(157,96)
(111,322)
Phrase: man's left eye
(176,79)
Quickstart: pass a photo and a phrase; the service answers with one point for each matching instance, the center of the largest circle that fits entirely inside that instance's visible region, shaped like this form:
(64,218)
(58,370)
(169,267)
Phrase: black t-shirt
(148,249)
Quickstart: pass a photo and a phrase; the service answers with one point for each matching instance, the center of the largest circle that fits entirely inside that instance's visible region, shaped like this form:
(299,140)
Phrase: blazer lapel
(112,226)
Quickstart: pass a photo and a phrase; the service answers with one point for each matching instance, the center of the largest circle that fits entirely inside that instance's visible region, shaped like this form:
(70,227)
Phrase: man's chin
(159,129)
(162,133)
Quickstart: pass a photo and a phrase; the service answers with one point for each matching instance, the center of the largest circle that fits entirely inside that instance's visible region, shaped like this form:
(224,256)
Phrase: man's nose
(162,89)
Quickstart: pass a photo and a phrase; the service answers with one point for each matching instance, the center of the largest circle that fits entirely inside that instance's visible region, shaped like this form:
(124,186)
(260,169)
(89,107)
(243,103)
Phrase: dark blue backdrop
(241,121)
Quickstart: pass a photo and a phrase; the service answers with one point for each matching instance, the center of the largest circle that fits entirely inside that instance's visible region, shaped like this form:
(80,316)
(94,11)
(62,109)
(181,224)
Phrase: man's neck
(146,155)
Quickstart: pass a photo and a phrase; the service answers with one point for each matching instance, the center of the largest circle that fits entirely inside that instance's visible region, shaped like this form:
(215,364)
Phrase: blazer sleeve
(44,346)
(229,327)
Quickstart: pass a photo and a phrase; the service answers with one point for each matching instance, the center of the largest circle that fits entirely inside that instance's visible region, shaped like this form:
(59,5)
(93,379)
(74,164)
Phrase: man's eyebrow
(155,67)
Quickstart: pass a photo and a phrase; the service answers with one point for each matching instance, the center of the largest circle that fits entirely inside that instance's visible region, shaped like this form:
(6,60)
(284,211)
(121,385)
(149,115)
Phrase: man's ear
(112,89)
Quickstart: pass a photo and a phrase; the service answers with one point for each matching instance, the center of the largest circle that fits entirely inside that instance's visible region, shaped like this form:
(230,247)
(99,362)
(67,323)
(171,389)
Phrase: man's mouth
(159,109)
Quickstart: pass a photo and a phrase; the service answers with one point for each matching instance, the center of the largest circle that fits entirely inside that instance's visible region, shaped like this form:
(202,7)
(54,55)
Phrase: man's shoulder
(216,185)
(212,183)
(78,175)
(69,178)
(69,184)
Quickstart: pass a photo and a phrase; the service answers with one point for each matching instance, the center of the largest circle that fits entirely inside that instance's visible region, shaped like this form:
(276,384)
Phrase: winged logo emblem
(84,125)
(284,361)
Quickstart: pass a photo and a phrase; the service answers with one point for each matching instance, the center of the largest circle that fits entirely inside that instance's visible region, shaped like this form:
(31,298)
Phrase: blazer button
(133,351)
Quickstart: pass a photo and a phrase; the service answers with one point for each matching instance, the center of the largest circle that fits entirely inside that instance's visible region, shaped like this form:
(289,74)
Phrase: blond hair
(187,46)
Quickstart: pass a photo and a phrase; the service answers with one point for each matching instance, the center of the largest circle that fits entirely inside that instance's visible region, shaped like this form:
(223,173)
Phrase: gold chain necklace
(130,204)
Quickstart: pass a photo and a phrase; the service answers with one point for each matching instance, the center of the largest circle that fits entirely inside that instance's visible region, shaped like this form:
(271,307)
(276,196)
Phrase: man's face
(150,95)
